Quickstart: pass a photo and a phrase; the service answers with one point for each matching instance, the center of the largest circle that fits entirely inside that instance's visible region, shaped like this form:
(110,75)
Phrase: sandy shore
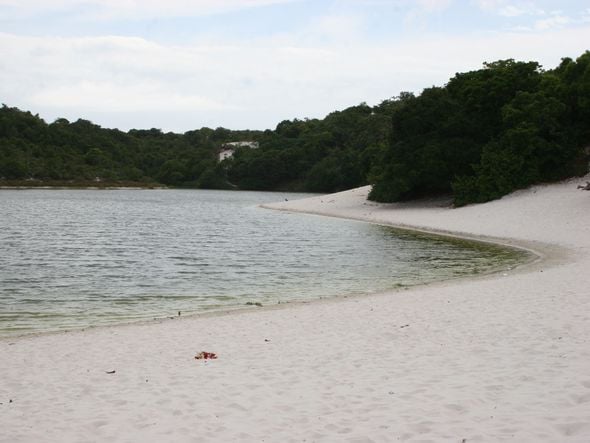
(497,358)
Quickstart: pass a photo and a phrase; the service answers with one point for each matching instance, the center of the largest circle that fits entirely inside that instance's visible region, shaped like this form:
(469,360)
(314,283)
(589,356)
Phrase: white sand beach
(504,357)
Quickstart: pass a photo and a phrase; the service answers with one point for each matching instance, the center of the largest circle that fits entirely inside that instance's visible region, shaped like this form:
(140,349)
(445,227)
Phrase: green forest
(484,134)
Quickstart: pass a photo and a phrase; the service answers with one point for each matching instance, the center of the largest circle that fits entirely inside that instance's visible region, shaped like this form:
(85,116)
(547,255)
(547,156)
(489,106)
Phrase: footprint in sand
(455,407)
(580,399)
(574,428)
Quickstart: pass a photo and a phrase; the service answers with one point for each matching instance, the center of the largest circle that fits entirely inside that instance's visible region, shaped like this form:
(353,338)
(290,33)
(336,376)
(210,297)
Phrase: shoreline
(81,188)
(493,358)
(77,184)
(541,252)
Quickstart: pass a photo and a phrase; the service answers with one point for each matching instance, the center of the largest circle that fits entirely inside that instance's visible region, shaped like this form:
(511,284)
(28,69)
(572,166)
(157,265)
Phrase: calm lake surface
(77,258)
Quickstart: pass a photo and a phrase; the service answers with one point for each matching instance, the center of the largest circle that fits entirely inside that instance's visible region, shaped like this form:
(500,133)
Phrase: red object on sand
(206,356)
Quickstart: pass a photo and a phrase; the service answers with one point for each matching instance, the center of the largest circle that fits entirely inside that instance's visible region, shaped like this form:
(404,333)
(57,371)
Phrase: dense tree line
(489,132)
(31,149)
(326,155)
(307,155)
(480,136)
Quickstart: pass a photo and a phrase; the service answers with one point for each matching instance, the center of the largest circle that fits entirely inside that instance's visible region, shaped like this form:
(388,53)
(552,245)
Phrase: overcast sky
(183,64)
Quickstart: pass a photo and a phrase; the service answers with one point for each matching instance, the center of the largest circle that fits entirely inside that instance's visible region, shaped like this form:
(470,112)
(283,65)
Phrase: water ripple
(80,258)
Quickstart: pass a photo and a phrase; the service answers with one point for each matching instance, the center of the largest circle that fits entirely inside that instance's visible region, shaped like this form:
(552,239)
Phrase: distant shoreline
(77,184)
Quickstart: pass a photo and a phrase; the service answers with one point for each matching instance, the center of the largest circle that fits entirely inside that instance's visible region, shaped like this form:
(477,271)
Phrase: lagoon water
(78,258)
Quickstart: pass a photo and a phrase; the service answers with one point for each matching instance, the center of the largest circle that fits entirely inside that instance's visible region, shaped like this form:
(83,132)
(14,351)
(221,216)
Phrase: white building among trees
(228,149)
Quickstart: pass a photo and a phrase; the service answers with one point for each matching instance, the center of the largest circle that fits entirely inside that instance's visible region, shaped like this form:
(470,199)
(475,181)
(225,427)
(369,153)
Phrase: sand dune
(497,358)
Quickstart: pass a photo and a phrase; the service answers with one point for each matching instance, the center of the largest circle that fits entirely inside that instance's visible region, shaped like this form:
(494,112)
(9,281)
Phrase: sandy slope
(498,358)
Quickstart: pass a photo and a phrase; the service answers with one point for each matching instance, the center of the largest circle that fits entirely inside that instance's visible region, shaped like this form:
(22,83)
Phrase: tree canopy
(82,151)
(488,132)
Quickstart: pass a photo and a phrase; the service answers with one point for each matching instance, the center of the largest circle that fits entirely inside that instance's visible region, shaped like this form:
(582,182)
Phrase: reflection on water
(74,258)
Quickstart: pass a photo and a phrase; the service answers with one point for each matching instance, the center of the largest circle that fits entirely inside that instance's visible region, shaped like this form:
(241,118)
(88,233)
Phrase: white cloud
(121,97)
(337,27)
(420,9)
(129,9)
(431,6)
(512,11)
(490,5)
(132,82)
(555,21)
(507,8)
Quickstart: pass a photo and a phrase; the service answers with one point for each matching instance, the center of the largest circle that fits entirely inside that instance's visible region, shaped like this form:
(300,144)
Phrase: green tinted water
(78,258)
